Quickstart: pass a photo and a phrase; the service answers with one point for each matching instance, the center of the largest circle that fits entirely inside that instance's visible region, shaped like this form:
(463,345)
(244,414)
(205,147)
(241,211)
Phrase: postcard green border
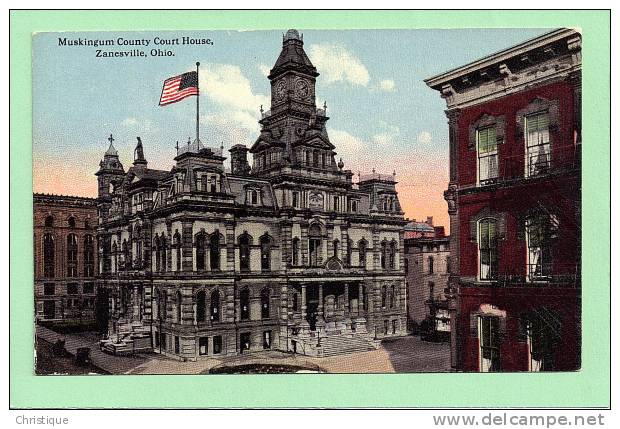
(589,387)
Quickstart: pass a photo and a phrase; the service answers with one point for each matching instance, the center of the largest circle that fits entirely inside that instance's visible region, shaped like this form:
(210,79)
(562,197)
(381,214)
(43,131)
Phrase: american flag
(179,87)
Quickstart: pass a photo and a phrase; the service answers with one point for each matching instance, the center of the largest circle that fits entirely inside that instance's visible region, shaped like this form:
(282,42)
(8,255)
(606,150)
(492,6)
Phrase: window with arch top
(244,303)
(215,306)
(214,251)
(264,303)
(265,253)
(244,252)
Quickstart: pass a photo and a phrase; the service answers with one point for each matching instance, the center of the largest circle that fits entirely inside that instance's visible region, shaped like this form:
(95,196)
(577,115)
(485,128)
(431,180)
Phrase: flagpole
(197,104)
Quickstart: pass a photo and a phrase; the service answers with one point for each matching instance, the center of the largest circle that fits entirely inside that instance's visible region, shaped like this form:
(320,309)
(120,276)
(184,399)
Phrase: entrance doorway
(313,308)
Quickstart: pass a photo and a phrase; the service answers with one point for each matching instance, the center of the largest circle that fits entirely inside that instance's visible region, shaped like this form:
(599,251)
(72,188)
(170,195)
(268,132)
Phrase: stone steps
(336,345)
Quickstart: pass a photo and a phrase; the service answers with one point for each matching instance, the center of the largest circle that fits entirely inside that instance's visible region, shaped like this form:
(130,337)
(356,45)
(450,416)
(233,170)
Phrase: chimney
(429,220)
(239,160)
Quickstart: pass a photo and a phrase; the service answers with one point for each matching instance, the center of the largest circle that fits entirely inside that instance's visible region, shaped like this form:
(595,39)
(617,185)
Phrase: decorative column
(320,320)
(360,321)
(347,309)
(305,326)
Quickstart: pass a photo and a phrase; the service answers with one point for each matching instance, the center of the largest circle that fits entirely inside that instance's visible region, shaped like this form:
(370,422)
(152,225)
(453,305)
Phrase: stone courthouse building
(65,259)
(286,253)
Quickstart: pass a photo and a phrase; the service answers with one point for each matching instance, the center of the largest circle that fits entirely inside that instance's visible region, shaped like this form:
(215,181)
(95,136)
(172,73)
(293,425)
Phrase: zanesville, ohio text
(158,42)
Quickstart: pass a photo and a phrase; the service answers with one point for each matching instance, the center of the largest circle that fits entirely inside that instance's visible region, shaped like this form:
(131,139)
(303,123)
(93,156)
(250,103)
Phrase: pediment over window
(485,121)
(334,264)
(539,105)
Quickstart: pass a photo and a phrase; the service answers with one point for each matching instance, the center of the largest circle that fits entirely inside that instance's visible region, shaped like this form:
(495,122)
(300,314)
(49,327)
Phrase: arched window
(383,254)
(487,248)
(177,245)
(214,251)
(335,246)
(215,306)
(383,296)
(265,253)
(72,249)
(157,253)
(49,221)
(392,255)
(244,303)
(295,251)
(431,265)
(48,256)
(244,252)
(164,260)
(179,303)
(201,252)
(295,302)
(362,253)
(314,241)
(71,222)
(392,296)
(201,306)
(264,303)
(539,231)
(89,256)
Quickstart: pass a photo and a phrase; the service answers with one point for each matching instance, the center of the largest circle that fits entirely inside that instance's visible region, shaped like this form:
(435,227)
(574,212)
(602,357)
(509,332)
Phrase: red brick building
(65,259)
(514,200)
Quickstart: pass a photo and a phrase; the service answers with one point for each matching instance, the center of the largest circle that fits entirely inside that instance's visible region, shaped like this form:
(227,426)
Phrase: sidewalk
(108,363)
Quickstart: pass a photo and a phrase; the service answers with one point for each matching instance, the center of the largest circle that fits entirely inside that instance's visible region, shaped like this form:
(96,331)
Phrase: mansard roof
(238,185)
(293,56)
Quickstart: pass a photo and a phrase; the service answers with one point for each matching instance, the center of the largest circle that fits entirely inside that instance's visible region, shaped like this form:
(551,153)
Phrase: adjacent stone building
(514,200)
(427,268)
(287,253)
(65,259)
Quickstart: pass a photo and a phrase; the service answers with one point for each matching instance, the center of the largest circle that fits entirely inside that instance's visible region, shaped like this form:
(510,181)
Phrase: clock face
(280,90)
(302,89)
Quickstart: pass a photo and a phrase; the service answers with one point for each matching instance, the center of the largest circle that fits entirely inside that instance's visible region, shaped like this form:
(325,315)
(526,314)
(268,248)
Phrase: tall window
(392,255)
(488,329)
(213,184)
(539,338)
(264,303)
(157,253)
(179,303)
(487,155)
(295,302)
(539,257)
(244,252)
(336,244)
(487,249)
(254,197)
(164,261)
(362,253)
(383,254)
(244,302)
(314,242)
(295,251)
(215,306)
(201,306)
(72,249)
(214,250)
(265,253)
(431,265)
(89,256)
(383,296)
(177,243)
(49,221)
(392,296)
(538,147)
(431,291)
(295,199)
(201,253)
(336,204)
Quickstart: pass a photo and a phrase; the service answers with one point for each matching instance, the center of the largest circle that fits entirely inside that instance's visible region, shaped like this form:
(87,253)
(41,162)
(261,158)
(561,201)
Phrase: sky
(382,115)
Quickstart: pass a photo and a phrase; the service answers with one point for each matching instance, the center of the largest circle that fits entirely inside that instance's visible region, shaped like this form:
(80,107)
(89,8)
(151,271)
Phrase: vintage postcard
(306,202)
(309,213)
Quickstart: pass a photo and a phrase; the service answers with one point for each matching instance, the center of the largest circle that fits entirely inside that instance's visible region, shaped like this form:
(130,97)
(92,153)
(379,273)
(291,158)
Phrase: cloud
(140,125)
(337,64)
(234,106)
(264,69)
(387,137)
(387,85)
(425,137)
(345,141)
(129,122)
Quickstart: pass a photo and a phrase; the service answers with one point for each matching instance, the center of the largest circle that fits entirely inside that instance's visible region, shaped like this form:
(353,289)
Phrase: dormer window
(254,197)
(213,184)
